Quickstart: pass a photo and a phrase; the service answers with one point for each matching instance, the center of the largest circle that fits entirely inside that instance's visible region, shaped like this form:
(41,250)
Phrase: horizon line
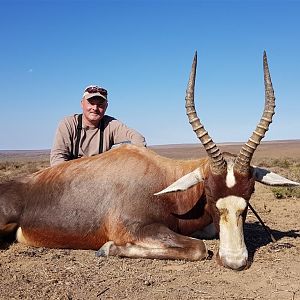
(168,145)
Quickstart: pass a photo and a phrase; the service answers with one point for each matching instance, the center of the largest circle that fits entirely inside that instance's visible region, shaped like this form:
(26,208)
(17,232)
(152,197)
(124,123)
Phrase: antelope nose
(237,265)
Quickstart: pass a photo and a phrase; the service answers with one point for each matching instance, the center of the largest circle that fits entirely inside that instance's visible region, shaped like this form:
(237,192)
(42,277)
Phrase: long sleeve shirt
(115,132)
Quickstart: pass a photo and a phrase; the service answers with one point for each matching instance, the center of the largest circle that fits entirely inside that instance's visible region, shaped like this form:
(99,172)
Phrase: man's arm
(123,134)
(62,146)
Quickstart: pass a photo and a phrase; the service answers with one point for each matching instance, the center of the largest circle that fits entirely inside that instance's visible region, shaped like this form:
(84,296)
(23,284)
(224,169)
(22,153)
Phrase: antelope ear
(269,178)
(184,182)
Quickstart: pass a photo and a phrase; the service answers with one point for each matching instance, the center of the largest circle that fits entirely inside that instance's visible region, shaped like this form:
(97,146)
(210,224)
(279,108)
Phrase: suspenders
(101,135)
(79,127)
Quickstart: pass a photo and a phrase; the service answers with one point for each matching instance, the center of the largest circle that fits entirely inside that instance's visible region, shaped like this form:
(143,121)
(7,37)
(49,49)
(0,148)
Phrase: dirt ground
(40,273)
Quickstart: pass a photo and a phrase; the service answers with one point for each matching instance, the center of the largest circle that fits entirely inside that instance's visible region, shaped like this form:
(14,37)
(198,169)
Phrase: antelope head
(229,183)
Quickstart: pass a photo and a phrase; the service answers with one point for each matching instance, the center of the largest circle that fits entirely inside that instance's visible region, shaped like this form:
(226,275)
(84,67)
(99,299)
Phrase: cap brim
(91,95)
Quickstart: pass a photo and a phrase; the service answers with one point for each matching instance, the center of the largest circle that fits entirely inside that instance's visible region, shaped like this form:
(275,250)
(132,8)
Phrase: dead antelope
(131,202)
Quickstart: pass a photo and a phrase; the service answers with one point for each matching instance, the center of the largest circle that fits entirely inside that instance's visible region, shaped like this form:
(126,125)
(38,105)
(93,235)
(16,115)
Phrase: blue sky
(141,51)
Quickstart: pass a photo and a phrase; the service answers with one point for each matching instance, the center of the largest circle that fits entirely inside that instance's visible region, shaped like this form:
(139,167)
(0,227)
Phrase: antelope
(131,202)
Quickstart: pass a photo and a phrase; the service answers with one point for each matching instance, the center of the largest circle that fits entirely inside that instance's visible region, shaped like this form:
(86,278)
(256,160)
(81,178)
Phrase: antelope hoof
(104,250)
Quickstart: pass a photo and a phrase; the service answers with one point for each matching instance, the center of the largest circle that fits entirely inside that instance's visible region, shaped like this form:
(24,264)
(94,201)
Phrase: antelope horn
(242,164)
(218,162)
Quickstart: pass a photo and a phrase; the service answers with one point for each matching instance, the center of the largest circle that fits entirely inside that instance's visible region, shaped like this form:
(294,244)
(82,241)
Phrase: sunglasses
(96,89)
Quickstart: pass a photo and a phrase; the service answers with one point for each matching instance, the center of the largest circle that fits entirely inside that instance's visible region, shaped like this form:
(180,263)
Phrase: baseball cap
(94,91)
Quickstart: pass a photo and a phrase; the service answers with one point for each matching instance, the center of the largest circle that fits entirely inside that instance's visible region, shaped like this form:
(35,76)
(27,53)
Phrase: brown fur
(84,203)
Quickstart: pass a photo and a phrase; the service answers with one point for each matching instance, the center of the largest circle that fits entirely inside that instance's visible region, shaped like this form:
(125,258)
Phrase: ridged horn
(242,164)
(218,162)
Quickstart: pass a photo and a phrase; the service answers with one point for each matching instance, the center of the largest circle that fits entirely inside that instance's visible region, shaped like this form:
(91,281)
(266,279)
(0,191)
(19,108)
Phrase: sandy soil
(39,273)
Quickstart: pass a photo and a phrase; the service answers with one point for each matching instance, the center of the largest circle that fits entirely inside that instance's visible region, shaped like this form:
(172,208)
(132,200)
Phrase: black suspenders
(79,127)
(101,126)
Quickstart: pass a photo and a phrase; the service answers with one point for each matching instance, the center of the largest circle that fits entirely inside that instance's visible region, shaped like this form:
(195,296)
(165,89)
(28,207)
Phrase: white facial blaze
(232,251)
(230,178)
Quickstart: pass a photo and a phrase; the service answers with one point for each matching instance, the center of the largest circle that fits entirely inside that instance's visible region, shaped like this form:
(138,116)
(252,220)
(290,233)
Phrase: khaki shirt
(115,132)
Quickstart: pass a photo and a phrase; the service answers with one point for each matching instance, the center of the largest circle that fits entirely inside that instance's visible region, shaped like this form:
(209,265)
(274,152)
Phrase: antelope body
(131,202)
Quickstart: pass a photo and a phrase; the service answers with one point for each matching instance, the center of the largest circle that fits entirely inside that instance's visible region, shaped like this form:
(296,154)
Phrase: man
(91,132)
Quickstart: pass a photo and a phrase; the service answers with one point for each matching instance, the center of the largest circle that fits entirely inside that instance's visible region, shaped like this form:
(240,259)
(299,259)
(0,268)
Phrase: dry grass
(20,163)
(12,169)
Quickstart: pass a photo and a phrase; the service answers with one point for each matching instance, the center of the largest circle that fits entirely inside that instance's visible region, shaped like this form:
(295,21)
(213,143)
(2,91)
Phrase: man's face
(94,109)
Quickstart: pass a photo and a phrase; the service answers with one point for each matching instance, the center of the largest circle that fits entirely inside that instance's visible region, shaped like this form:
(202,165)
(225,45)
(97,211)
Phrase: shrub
(286,192)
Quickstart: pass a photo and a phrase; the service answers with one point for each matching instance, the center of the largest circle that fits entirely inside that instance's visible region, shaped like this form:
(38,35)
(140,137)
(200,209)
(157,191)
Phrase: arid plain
(40,273)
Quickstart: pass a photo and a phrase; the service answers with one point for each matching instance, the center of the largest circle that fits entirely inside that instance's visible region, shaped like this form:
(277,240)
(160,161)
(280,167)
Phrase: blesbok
(131,202)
